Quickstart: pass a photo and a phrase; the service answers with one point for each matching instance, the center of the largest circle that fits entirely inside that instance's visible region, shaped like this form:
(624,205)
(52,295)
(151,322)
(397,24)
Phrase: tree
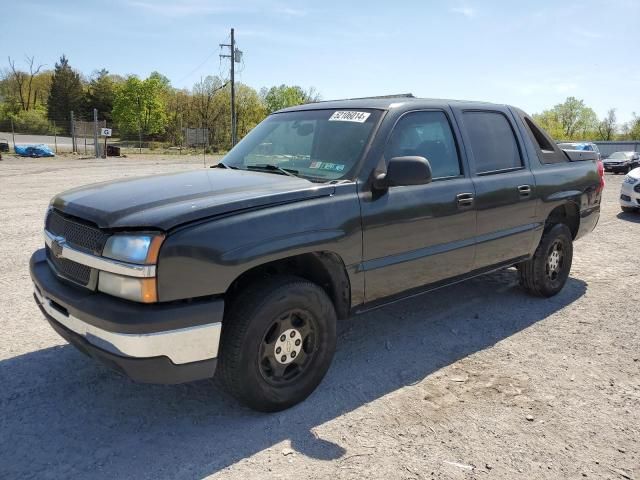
(285,96)
(162,79)
(23,82)
(101,94)
(635,128)
(607,127)
(250,109)
(549,121)
(569,120)
(139,108)
(208,107)
(66,93)
(631,129)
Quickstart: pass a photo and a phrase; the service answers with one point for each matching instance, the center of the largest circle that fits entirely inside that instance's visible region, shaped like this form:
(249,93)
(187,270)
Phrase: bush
(32,121)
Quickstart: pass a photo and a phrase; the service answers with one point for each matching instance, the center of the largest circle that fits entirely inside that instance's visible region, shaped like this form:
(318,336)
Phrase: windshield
(319,145)
(621,155)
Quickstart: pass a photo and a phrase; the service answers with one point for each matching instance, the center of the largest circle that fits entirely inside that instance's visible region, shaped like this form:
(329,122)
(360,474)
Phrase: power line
(197,68)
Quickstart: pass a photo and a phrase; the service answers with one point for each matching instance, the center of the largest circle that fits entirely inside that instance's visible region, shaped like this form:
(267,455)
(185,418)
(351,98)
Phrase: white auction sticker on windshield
(349,116)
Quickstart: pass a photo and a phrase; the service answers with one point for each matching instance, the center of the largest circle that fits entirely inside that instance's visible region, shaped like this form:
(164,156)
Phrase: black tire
(628,209)
(252,330)
(544,275)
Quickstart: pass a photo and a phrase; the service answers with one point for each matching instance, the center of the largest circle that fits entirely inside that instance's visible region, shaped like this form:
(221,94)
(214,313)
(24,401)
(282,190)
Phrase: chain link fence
(75,132)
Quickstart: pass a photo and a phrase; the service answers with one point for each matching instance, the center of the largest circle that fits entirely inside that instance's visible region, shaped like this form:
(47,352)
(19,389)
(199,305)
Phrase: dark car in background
(622,162)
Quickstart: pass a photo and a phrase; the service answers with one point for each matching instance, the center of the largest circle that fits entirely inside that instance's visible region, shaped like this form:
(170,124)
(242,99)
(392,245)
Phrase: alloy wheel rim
(287,347)
(555,260)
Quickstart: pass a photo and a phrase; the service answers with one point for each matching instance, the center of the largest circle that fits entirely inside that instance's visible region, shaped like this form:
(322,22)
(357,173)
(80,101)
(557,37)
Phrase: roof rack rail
(398,95)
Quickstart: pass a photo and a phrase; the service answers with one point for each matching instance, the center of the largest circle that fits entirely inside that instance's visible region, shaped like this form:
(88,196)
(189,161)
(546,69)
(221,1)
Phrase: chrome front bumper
(169,342)
(184,345)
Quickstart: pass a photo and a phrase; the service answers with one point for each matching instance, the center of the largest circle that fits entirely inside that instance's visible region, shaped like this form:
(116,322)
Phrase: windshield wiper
(268,167)
(223,165)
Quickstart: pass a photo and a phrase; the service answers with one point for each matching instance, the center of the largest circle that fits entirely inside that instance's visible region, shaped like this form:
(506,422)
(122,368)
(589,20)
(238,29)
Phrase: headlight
(137,289)
(141,249)
(630,180)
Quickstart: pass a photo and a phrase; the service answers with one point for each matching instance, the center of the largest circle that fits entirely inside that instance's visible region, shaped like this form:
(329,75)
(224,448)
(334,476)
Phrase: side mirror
(403,171)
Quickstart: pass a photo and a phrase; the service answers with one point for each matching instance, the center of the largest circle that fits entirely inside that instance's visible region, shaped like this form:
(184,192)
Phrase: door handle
(464,200)
(525,190)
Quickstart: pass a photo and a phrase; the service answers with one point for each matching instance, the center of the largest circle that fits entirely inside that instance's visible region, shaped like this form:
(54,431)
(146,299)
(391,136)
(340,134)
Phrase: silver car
(630,191)
(585,146)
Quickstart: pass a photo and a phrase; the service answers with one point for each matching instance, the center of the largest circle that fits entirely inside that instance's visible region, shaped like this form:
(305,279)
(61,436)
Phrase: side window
(426,134)
(492,140)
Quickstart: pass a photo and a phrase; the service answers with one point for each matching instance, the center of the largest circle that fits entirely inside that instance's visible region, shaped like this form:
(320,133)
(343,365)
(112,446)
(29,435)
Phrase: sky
(529,54)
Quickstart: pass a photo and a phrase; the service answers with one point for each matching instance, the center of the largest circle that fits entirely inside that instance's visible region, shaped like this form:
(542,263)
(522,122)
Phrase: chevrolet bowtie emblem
(56,246)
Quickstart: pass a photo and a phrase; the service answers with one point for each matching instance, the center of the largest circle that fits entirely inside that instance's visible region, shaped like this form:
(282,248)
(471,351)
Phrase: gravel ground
(477,380)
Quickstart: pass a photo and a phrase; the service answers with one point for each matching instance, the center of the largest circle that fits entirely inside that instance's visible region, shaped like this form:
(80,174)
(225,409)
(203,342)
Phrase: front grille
(75,233)
(69,269)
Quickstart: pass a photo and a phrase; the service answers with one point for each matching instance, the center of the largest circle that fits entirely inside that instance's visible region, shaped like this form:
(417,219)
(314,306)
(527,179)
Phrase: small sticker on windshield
(334,167)
(349,116)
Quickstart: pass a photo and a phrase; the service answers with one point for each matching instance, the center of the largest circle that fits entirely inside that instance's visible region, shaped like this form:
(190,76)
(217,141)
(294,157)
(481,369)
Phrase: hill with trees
(38,101)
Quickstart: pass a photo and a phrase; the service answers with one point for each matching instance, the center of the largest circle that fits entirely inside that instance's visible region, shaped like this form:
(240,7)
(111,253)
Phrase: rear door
(505,190)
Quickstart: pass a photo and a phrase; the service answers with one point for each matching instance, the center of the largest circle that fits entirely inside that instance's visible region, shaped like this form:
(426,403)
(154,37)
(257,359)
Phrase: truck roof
(385,103)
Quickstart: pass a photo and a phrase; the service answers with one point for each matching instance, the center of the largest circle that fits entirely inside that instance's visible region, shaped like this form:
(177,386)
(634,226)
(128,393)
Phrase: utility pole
(73,133)
(96,147)
(13,135)
(234,55)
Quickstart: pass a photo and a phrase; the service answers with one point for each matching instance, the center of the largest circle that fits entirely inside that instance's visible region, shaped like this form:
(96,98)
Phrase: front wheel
(547,271)
(278,340)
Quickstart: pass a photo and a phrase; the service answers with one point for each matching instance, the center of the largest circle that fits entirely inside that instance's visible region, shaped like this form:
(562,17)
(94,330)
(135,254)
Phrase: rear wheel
(278,340)
(547,271)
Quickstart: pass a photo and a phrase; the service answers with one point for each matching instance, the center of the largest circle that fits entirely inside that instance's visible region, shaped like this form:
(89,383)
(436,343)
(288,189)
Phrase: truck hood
(166,201)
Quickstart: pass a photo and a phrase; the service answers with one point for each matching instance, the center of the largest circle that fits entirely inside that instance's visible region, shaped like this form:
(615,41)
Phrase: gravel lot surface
(477,380)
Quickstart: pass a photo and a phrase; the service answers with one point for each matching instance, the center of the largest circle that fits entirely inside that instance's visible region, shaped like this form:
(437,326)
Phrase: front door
(420,234)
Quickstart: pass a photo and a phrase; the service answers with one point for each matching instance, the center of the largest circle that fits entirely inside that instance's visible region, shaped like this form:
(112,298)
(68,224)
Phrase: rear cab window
(492,141)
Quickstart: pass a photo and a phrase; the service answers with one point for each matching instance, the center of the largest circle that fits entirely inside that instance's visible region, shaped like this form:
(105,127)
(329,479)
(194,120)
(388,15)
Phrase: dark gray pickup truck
(241,271)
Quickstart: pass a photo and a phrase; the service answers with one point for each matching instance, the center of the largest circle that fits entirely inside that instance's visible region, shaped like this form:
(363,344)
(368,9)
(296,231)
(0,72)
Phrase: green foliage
(66,93)
(101,94)
(139,107)
(277,98)
(32,121)
(164,81)
(631,130)
(570,120)
(249,110)
(607,127)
